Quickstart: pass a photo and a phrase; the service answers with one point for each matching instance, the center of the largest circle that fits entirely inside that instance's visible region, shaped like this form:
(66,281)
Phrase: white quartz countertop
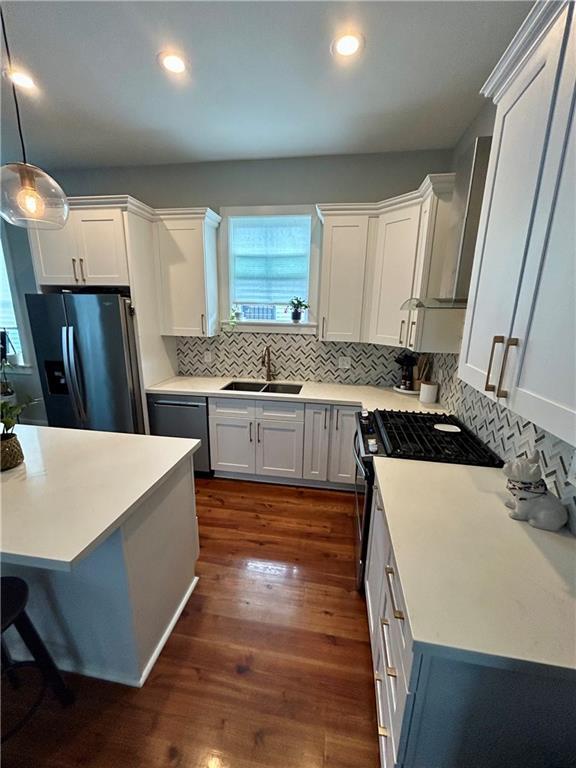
(75,488)
(474,579)
(312,391)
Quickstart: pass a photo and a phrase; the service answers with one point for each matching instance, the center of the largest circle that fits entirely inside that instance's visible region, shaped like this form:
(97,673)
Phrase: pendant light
(29,197)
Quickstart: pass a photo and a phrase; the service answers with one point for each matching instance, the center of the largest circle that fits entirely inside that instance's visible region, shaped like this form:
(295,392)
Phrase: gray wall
(301,180)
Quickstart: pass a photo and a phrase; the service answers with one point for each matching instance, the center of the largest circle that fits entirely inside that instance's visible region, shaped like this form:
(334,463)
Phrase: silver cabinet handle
(391,670)
(410,339)
(501,392)
(250,431)
(74,269)
(337,417)
(202,322)
(487,386)
(325,418)
(402,324)
(323,327)
(398,614)
(258,432)
(173,404)
(82,270)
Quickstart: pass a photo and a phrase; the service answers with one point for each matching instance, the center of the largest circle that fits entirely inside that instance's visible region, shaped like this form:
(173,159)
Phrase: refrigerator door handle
(75,378)
(68,374)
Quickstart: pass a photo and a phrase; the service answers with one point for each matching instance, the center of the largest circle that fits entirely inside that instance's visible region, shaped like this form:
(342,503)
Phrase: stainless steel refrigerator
(86,352)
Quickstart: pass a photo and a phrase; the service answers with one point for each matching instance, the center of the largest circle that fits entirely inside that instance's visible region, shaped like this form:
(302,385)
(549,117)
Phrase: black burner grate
(409,435)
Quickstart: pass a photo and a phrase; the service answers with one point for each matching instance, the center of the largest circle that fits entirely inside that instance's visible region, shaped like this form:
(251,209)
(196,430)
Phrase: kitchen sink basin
(283,389)
(245,386)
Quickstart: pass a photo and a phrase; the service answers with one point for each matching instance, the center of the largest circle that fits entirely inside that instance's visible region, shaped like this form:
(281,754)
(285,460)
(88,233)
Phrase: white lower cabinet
(342,467)
(283,439)
(279,448)
(316,441)
(256,437)
(232,444)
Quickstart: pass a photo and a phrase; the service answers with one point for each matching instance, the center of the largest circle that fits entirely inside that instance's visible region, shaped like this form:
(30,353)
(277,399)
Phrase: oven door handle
(357,458)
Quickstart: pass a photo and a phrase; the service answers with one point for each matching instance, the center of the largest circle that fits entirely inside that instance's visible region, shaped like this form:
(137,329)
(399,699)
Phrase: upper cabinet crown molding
(439,184)
(533,29)
(206,214)
(118,202)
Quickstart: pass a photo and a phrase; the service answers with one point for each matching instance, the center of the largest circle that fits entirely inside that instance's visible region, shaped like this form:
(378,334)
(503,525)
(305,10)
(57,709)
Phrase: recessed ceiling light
(172,62)
(347,45)
(21,79)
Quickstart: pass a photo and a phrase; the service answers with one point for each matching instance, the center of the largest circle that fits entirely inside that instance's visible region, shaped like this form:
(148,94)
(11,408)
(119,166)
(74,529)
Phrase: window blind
(269,260)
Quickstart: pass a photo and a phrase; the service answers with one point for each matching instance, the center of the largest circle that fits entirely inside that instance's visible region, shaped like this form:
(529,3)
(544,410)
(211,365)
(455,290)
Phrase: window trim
(253,326)
(20,315)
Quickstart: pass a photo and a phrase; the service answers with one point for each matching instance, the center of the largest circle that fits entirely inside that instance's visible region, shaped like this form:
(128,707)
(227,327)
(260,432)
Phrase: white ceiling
(262,81)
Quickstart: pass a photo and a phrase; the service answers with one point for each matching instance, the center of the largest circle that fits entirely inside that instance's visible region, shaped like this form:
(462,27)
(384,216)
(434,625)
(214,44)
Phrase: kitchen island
(103,528)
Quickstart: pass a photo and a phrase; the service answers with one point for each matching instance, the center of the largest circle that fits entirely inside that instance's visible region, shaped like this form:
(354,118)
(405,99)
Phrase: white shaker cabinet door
(344,247)
(181,260)
(396,252)
(541,372)
(101,246)
(55,255)
(232,446)
(342,468)
(316,441)
(279,448)
(516,157)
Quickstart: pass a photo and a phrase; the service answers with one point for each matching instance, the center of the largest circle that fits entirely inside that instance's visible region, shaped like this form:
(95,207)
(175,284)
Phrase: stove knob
(365,415)
(372,445)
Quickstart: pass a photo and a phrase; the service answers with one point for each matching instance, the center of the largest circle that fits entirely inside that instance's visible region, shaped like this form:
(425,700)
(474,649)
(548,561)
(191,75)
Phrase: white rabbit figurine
(531,500)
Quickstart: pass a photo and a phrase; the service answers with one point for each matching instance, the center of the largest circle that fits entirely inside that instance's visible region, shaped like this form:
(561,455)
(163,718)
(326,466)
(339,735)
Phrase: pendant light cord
(18,120)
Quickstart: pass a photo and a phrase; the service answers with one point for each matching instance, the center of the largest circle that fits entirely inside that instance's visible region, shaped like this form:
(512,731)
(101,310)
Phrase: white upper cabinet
(376,256)
(520,335)
(89,250)
(55,255)
(394,275)
(101,247)
(186,253)
(342,280)
(518,146)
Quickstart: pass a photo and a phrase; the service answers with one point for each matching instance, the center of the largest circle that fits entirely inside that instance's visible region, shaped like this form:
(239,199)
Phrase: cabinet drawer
(236,407)
(279,410)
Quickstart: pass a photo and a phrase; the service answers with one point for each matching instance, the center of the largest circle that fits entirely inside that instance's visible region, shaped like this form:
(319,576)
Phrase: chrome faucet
(267,363)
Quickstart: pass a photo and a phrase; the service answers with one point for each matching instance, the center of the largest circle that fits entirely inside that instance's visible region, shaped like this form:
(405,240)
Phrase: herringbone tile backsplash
(505,432)
(305,358)
(296,356)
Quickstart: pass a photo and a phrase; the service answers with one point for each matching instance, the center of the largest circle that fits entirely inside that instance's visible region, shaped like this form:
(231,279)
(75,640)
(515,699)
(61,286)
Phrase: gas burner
(431,437)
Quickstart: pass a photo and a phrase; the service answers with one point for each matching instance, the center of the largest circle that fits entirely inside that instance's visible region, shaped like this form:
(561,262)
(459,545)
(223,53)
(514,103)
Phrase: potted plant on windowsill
(297,305)
(7,392)
(10,449)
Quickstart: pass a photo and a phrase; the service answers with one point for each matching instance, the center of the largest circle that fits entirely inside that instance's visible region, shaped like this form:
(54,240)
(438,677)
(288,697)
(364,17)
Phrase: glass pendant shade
(31,198)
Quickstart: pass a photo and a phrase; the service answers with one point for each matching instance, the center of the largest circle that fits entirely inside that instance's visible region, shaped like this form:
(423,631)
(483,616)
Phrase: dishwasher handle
(178,405)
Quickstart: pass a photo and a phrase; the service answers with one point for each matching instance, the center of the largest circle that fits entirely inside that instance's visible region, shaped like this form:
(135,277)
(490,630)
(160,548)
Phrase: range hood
(469,201)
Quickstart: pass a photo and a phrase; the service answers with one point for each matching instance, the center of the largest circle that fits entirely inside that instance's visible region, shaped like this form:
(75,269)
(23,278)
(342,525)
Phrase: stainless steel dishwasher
(182,416)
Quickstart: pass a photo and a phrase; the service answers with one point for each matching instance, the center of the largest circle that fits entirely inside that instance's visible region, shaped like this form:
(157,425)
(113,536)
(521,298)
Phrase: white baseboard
(298,483)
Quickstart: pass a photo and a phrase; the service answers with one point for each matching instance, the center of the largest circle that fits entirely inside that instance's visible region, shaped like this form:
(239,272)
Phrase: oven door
(363,484)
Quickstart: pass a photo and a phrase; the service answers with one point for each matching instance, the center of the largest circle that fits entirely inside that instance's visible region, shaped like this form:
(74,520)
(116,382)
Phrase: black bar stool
(14,600)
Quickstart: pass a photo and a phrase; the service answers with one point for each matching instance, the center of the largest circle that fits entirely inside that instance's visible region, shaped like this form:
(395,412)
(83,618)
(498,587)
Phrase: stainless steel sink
(245,386)
(283,389)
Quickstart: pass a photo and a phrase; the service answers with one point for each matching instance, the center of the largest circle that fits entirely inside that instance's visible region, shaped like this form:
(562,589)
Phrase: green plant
(9,413)
(6,388)
(297,305)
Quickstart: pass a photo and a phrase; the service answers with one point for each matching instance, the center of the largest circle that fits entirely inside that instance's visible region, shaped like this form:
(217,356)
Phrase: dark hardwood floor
(269,665)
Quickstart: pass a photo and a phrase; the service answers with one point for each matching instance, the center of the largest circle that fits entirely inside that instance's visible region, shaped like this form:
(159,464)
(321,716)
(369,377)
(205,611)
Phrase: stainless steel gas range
(406,435)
